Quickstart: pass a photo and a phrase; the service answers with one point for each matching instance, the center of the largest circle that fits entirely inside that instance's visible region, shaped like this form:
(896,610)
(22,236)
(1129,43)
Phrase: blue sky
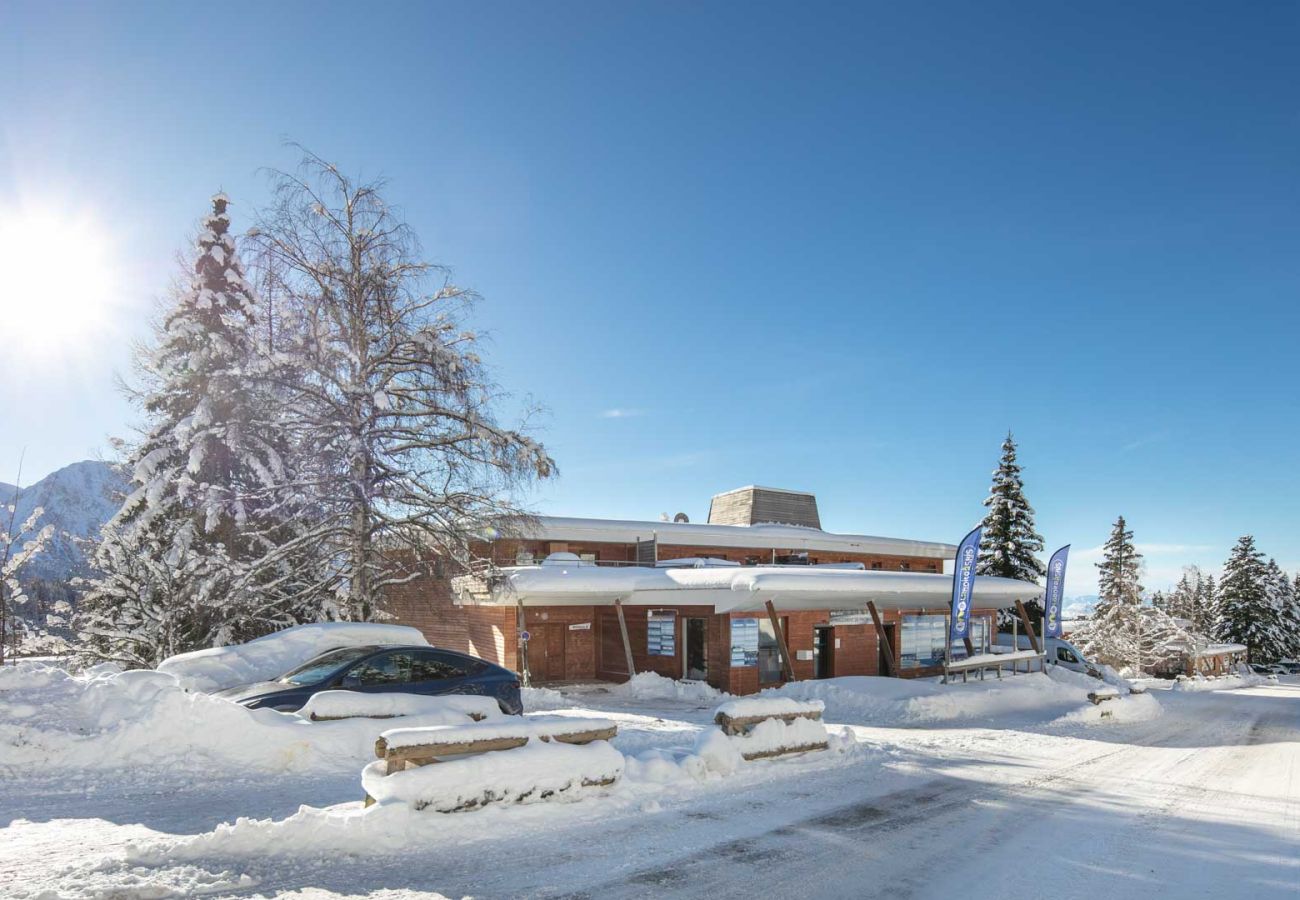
(839,247)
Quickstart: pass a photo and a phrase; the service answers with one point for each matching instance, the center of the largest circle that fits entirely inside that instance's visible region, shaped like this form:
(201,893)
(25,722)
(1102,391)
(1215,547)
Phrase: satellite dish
(681,517)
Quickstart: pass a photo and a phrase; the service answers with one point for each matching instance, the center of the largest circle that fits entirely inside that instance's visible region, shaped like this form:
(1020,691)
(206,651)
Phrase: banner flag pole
(1055,592)
(963,587)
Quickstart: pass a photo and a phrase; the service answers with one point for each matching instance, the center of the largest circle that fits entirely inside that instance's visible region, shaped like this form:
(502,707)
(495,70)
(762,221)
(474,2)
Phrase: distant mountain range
(77,500)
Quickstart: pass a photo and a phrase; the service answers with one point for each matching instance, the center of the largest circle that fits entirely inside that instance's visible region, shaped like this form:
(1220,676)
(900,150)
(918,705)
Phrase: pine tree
(1282,599)
(1113,633)
(181,563)
(1247,614)
(1205,610)
(1009,544)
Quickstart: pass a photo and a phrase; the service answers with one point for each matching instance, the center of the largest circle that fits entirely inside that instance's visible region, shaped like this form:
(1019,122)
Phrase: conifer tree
(179,564)
(1247,611)
(1113,633)
(1009,544)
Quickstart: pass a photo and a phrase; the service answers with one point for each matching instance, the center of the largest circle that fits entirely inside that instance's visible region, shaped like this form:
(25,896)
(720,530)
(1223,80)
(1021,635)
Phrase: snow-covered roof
(752,537)
(1221,649)
(741,588)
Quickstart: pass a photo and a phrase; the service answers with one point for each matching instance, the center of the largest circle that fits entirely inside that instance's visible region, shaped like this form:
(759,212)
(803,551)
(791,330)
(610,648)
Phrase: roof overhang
(739,589)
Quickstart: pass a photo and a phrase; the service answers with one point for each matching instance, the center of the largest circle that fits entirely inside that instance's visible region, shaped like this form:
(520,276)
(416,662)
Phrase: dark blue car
(375,670)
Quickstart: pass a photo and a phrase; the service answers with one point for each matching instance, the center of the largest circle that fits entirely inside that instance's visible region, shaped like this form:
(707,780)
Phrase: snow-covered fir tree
(1010,545)
(1247,604)
(402,457)
(1114,633)
(181,565)
(1282,598)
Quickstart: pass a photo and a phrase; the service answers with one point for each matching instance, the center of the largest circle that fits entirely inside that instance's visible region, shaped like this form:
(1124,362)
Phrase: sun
(56,282)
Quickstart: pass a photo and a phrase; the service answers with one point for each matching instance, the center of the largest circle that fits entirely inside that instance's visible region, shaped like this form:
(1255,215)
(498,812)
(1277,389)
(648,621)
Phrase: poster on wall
(744,643)
(661,632)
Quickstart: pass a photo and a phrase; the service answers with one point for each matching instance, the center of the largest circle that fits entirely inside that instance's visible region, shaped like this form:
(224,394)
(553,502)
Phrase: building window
(933,567)
(923,639)
(751,560)
(523,557)
(589,557)
(877,565)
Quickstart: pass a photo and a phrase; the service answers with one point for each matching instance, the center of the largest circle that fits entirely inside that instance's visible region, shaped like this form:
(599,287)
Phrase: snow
(269,657)
(775,735)
(653,686)
(504,727)
(747,707)
(1197,683)
(993,659)
(529,773)
(450,709)
(741,588)
(1179,792)
(145,721)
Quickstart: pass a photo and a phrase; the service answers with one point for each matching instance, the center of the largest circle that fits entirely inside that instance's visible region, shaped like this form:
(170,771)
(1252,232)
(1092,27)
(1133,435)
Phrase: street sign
(524,636)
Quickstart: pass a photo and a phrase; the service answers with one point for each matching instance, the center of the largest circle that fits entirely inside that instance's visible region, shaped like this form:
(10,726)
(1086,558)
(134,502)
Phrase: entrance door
(697,637)
(823,651)
(546,653)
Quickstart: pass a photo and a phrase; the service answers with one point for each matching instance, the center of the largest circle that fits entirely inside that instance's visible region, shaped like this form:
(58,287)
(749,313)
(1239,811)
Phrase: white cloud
(621,413)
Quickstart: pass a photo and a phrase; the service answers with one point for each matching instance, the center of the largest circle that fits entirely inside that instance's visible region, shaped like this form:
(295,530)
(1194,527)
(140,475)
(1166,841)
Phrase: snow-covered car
(376,669)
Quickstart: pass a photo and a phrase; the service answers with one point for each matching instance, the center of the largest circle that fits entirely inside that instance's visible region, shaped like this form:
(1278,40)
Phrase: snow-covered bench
(451,709)
(984,662)
(773,726)
(536,764)
(1102,694)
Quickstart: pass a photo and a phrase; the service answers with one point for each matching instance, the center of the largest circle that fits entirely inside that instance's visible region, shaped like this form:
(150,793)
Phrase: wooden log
(743,724)
(782,751)
(884,638)
(787,668)
(417,753)
(1029,627)
(477,717)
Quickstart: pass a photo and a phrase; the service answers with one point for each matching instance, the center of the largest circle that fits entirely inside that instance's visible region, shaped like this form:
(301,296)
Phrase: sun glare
(56,282)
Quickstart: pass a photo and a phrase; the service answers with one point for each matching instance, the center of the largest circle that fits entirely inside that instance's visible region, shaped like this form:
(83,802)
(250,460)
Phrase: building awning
(731,589)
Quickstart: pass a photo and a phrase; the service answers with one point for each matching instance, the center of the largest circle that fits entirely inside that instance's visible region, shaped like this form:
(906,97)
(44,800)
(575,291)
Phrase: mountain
(77,500)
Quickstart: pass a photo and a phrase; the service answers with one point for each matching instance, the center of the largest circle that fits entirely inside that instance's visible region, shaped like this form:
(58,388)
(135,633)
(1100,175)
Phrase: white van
(1059,652)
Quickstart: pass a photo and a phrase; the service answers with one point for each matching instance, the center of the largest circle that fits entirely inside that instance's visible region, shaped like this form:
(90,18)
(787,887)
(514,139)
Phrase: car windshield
(318,668)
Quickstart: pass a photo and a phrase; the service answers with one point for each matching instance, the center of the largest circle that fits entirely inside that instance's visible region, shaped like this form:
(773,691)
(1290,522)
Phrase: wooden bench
(409,747)
(1102,694)
(984,662)
(473,716)
(743,725)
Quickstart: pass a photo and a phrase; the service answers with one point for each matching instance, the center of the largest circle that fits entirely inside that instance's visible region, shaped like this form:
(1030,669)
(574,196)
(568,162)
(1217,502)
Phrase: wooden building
(586,599)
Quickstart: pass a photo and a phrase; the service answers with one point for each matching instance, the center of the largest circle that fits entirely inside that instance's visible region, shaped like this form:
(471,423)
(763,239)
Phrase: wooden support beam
(1029,626)
(627,644)
(786,666)
(884,638)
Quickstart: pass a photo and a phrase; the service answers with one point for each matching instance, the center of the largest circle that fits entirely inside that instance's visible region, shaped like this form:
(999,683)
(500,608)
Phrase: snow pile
(449,709)
(749,707)
(714,755)
(773,736)
(1122,710)
(269,657)
(653,686)
(1199,683)
(870,700)
(145,720)
(538,698)
(539,770)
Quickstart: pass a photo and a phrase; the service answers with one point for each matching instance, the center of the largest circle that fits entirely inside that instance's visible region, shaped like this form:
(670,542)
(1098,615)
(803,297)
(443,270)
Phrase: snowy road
(1205,798)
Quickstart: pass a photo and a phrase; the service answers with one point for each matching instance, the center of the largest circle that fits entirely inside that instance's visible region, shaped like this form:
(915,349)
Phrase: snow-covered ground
(1017,788)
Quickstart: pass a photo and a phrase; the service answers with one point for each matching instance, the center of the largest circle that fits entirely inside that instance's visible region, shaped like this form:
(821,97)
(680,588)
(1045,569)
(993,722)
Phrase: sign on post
(1055,592)
(963,585)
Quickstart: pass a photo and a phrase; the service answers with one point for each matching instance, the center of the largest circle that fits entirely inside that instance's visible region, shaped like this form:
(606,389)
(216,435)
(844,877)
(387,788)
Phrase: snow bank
(1133,708)
(450,709)
(538,698)
(269,657)
(747,707)
(504,727)
(1199,683)
(772,736)
(653,686)
(144,720)
(536,771)
(870,700)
